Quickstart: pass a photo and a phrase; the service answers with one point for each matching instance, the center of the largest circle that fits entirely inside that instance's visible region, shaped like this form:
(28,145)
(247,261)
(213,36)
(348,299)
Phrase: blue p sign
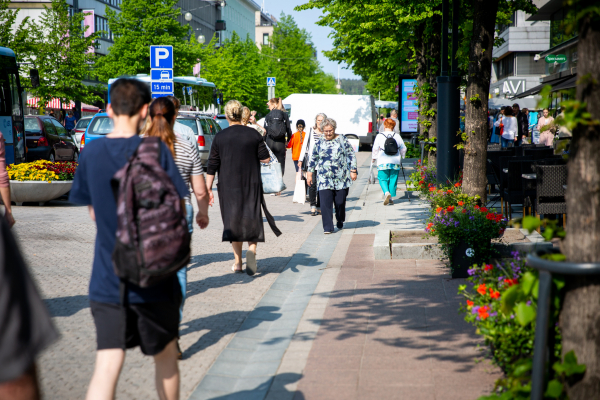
(161,57)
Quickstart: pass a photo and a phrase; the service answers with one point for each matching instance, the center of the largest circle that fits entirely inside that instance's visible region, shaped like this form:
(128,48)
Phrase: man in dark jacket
(522,123)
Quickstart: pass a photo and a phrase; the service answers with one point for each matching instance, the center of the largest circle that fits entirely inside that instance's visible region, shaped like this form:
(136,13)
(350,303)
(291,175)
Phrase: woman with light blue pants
(388,163)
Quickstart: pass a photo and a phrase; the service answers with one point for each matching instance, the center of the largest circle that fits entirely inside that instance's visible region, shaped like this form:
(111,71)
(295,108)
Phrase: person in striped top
(187,160)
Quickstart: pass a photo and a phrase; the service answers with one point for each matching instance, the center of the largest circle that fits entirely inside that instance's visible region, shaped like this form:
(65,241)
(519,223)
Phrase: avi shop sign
(513,86)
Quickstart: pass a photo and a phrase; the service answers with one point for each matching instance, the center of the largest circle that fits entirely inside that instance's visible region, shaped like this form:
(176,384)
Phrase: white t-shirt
(185,133)
(510,127)
(379,154)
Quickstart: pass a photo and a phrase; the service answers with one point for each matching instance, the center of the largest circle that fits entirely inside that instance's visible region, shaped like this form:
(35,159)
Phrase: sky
(307,20)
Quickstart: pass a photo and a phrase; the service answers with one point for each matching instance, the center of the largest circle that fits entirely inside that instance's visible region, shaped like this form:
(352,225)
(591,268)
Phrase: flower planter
(463,258)
(37,191)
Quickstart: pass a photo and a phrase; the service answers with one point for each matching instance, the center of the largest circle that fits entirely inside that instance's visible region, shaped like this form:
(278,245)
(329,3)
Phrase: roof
(545,12)
(5,51)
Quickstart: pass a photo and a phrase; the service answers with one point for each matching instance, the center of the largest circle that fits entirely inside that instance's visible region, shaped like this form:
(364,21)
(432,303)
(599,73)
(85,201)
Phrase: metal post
(540,343)
(455,20)
(448,97)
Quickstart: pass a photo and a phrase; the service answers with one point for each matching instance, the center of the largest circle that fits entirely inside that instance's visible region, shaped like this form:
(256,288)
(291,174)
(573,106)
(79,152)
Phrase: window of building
(506,66)
(527,66)
(265,39)
(102,25)
(559,23)
(114,3)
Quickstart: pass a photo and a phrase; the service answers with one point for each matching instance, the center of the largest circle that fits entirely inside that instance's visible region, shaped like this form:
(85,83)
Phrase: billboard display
(409,108)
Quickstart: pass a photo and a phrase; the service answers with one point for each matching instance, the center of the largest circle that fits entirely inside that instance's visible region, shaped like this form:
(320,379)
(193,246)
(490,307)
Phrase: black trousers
(278,148)
(313,193)
(329,200)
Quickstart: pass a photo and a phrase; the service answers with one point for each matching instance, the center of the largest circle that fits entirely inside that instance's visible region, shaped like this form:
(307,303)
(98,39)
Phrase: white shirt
(311,144)
(379,154)
(185,133)
(510,127)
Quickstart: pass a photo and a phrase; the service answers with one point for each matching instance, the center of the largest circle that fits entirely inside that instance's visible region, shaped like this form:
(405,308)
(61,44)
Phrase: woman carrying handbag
(314,136)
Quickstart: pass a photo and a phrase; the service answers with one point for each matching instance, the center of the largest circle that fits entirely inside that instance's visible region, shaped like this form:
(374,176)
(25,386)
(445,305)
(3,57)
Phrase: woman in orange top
(296,141)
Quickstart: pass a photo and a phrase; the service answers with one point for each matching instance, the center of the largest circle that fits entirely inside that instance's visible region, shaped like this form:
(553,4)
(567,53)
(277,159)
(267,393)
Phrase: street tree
(21,38)
(291,58)
(139,25)
(63,55)
(580,315)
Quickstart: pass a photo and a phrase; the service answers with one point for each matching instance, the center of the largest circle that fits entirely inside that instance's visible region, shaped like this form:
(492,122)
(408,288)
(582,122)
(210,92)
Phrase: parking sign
(161,57)
(161,74)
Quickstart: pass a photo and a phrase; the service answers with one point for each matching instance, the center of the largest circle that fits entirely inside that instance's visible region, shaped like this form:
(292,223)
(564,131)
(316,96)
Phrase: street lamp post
(448,97)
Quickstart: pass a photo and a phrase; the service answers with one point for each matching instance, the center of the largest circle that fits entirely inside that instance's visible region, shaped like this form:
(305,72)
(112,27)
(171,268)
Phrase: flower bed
(42,170)
(423,177)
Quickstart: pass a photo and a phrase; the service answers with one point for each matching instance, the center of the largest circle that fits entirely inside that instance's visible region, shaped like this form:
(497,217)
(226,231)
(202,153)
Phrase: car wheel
(51,159)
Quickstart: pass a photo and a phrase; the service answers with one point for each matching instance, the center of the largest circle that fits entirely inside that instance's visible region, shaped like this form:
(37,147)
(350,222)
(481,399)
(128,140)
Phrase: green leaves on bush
(569,366)
(525,314)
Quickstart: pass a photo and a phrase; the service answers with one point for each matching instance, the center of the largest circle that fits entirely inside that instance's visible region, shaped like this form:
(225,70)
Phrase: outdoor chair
(494,147)
(539,153)
(550,191)
(513,194)
(529,185)
(504,177)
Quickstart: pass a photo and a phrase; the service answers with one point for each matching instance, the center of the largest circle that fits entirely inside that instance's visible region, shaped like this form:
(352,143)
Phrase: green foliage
(63,55)
(353,86)
(423,177)
(139,25)
(291,59)
(551,229)
(412,151)
(20,38)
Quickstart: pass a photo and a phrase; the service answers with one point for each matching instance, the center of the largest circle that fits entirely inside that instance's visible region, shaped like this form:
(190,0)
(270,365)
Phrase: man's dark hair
(128,96)
(301,122)
(175,101)
(508,111)
(517,105)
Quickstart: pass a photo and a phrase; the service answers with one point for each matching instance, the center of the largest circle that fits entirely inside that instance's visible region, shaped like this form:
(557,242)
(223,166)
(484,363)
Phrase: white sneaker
(387,198)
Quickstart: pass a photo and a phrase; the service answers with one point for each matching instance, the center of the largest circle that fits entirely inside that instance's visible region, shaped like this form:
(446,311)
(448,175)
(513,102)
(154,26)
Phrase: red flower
(432,189)
(483,209)
(457,184)
(438,210)
(460,203)
(464,211)
(481,289)
(494,294)
(491,217)
(469,304)
(511,282)
(421,182)
(477,207)
(483,312)
(450,208)
(488,267)
(429,225)
(449,191)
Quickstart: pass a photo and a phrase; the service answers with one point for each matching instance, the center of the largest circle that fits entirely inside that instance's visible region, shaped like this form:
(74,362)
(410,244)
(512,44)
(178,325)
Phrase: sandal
(250,262)
(236,271)
(313,212)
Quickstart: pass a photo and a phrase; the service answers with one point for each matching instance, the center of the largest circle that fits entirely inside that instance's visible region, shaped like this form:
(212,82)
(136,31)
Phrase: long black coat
(235,155)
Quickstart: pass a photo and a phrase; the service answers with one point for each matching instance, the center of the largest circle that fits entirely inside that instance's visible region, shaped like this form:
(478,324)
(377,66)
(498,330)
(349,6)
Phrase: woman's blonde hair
(233,110)
(278,103)
(162,112)
(245,115)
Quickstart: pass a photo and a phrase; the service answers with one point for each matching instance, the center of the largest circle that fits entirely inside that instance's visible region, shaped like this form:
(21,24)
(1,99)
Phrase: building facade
(265,24)
(239,18)
(516,66)
(205,15)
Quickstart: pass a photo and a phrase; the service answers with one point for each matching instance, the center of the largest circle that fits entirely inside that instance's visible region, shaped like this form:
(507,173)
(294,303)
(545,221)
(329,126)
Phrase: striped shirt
(187,160)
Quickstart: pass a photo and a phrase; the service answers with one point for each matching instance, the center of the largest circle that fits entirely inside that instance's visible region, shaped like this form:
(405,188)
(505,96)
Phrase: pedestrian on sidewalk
(182,131)
(394,117)
(388,161)
(70,121)
(314,135)
(334,158)
(5,185)
(277,125)
(147,317)
(236,154)
(187,159)
(296,142)
(547,134)
(522,124)
(508,126)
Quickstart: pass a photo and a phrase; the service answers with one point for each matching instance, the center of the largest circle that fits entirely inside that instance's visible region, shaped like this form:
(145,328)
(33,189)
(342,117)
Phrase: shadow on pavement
(66,306)
(239,323)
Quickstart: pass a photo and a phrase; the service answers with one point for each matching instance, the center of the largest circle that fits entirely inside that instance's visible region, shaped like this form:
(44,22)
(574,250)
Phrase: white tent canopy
(386,104)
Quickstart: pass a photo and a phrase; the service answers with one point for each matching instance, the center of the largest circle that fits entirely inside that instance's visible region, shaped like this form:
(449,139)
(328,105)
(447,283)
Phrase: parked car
(221,120)
(79,130)
(47,139)
(205,129)
(100,126)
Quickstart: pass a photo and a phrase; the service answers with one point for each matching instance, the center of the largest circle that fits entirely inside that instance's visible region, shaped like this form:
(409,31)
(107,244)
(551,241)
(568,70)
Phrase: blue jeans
(507,142)
(182,273)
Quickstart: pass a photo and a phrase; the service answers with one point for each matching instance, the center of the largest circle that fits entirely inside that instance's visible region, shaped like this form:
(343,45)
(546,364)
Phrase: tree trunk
(432,73)
(478,87)
(420,47)
(580,315)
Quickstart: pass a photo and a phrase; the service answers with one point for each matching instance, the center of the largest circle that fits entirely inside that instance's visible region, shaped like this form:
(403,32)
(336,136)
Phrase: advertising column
(409,108)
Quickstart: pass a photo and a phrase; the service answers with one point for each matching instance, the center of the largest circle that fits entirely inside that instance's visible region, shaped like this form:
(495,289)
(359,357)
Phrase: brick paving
(391,330)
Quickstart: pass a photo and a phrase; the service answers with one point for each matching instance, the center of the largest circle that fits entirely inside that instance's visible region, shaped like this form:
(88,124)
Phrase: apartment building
(265,24)
(238,16)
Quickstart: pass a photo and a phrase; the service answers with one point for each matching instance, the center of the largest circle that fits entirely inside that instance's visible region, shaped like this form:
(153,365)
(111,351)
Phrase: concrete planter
(37,192)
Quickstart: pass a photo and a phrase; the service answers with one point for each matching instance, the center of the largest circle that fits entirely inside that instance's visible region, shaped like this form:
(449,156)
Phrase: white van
(355,114)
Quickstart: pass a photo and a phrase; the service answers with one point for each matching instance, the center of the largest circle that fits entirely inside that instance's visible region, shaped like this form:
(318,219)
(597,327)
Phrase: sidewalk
(337,324)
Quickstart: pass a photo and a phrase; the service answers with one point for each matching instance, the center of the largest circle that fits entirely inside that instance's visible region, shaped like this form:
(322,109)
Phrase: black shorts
(149,325)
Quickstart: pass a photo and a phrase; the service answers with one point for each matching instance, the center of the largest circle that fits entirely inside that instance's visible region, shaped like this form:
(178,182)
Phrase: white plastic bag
(299,190)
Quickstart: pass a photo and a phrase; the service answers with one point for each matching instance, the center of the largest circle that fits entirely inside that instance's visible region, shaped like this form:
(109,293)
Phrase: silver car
(205,129)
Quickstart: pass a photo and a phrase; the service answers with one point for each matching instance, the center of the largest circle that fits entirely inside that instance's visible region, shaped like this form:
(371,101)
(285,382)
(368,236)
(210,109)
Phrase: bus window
(11,108)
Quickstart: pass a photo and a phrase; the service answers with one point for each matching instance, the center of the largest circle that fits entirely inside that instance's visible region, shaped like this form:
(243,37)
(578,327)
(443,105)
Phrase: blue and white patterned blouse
(333,160)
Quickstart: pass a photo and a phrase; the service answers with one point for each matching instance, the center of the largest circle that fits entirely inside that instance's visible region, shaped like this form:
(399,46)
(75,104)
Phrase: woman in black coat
(279,131)
(236,154)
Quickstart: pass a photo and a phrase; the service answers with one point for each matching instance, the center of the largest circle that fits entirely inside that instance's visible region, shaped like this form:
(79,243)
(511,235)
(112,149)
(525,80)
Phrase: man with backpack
(279,131)
(388,150)
(140,305)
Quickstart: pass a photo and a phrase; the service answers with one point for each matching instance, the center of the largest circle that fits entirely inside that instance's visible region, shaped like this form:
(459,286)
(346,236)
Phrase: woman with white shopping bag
(236,155)
(314,136)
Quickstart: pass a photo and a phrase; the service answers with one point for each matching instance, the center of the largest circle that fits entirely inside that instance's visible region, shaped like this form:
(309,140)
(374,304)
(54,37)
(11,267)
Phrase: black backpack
(390,147)
(276,124)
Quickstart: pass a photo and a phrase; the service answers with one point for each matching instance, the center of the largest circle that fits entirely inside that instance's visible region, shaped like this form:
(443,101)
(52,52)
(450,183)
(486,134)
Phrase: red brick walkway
(391,330)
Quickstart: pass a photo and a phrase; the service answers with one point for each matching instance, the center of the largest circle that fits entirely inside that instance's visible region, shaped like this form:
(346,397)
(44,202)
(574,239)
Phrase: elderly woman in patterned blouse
(334,158)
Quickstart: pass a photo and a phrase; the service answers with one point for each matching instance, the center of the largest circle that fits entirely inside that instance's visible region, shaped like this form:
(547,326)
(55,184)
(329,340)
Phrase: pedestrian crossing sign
(271,81)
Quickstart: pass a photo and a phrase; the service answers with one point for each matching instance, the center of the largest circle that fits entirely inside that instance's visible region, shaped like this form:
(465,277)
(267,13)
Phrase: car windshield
(32,127)
(190,123)
(83,123)
(101,126)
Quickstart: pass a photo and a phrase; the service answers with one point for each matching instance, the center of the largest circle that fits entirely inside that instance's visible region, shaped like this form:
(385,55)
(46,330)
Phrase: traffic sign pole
(271,82)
